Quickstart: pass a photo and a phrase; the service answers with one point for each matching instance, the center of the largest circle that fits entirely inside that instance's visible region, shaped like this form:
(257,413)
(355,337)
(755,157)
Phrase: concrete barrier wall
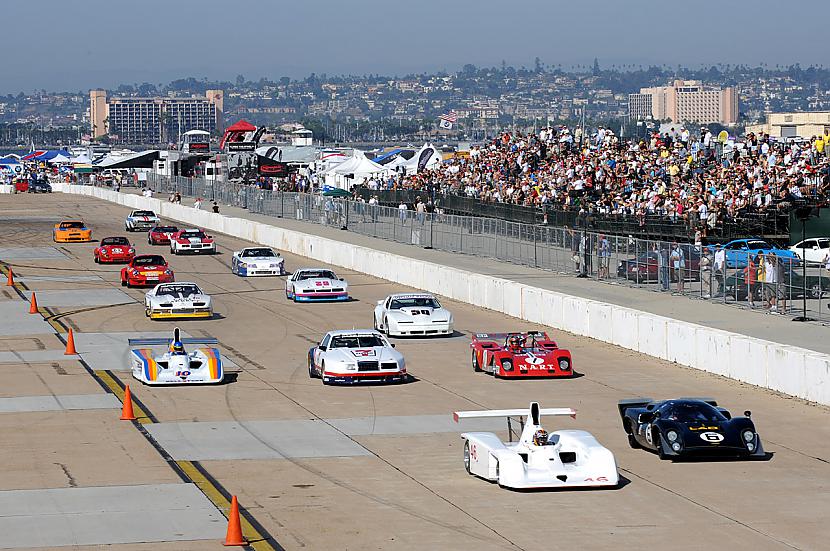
(791,370)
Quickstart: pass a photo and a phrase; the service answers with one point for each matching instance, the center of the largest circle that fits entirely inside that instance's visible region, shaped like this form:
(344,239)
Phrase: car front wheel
(476,367)
(467,457)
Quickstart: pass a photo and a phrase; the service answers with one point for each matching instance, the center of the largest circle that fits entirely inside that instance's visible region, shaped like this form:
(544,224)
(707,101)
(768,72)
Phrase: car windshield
(247,253)
(409,302)
(179,290)
(149,260)
(166,229)
(694,412)
(356,341)
(193,235)
(115,241)
(144,213)
(312,274)
(72,225)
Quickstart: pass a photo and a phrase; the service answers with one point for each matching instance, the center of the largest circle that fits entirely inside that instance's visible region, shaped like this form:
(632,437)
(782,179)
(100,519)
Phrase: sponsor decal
(322,283)
(473,452)
(712,437)
(704,428)
(597,479)
(363,353)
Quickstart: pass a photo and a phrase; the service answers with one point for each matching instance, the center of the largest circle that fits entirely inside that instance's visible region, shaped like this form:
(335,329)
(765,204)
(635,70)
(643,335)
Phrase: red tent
(239,127)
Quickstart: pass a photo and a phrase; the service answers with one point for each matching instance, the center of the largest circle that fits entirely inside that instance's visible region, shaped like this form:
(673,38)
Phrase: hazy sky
(82,44)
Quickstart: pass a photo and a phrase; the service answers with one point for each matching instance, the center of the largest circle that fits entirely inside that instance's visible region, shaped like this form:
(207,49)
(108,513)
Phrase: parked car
(814,250)
(644,268)
(738,251)
(39,186)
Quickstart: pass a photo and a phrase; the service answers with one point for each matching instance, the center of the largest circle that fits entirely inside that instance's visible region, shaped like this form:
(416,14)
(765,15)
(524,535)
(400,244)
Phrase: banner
(424,158)
(444,124)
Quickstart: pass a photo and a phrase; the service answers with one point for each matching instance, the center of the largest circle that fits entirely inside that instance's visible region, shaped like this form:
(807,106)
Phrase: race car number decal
(182,374)
(712,437)
(321,283)
(533,360)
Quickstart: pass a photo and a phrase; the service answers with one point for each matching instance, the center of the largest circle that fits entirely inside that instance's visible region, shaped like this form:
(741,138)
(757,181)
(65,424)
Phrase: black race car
(688,427)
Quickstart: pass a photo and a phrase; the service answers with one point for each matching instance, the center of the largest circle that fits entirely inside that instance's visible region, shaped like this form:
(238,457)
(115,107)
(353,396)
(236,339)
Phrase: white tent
(81,159)
(432,153)
(353,170)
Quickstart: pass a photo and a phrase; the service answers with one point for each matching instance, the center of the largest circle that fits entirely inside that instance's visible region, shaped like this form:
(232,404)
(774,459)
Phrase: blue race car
(738,252)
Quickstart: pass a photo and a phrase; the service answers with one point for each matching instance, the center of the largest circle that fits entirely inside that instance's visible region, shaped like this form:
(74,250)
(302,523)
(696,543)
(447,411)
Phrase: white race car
(308,284)
(177,300)
(356,356)
(412,314)
(192,241)
(176,366)
(141,220)
(560,459)
(257,261)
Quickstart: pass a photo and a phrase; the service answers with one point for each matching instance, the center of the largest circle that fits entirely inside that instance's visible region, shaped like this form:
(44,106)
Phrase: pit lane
(410,489)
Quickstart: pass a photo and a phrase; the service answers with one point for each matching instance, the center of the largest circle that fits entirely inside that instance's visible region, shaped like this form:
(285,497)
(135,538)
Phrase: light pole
(803,214)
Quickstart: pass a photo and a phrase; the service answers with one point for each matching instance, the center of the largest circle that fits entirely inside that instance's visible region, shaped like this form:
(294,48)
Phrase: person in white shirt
(402,208)
(720,266)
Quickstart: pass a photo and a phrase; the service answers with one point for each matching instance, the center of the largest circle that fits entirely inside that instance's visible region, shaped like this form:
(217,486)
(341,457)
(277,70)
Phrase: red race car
(146,269)
(160,235)
(114,249)
(513,355)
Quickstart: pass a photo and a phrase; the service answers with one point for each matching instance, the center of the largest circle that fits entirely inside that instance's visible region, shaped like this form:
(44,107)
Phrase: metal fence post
(535,254)
(431,222)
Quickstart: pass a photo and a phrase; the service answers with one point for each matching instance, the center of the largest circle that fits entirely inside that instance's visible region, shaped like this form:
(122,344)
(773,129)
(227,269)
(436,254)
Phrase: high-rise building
(154,120)
(686,101)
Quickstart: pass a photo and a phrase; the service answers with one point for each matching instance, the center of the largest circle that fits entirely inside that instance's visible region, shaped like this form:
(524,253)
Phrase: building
(793,125)
(156,120)
(686,101)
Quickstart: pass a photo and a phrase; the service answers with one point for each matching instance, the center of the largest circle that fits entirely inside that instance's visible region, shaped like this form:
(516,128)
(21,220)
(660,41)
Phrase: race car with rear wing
(405,314)
(514,355)
(688,427)
(176,366)
(315,284)
(71,231)
(114,249)
(192,241)
(141,220)
(356,356)
(538,458)
(160,235)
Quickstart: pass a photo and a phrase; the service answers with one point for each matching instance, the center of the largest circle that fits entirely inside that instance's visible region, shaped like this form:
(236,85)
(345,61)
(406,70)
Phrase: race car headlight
(134,272)
(748,435)
(168,272)
(672,436)
(676,446)
(243,265)
(750,446)
(351,367)
(507,365)
(131,250)
(104,252)
(564,364)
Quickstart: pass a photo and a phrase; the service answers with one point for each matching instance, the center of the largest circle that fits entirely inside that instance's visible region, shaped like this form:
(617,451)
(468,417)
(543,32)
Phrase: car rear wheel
(816,290)
(467,456)
(476,367)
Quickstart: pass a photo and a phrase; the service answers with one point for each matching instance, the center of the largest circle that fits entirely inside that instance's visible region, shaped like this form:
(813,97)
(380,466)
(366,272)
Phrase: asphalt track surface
(410,490)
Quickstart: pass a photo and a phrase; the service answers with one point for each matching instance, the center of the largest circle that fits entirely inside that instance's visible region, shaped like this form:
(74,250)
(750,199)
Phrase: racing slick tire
(311,373)
(97,260)
(816,291)
(146,312)
(658,439)
(322,369)
(149,239)
(386,327)
(467,457)
(123,282)
(476,367)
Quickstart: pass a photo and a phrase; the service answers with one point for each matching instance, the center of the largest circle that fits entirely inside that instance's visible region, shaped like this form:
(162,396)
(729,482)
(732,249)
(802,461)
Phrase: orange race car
(71,231)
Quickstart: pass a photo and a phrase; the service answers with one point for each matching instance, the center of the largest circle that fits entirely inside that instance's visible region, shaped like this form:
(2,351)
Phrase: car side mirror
(380,303)
(747,413)
(392,344)
(340,279)
(322,347)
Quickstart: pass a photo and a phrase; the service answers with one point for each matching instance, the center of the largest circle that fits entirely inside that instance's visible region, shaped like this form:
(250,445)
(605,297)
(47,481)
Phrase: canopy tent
(353,170)
(59,158)
(36,153)
(81,159)
(9,161)
(144,159)
(393,156)
(427,157)
(241,126)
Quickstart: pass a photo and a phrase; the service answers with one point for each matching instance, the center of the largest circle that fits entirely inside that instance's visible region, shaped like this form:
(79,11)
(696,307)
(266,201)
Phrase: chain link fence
(775,285)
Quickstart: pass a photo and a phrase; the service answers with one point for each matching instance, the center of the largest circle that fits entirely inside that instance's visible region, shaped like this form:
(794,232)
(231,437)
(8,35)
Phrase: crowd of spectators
(675,175)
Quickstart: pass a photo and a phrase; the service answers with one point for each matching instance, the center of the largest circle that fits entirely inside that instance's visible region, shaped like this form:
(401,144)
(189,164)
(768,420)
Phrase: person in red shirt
(751,279)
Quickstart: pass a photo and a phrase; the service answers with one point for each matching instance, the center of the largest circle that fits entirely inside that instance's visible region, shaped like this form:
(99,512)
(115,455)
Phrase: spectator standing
(771,282)
(604,254)
(663,275)
(678,263)
(706,273)
(420,209)
(751,279)
(402,208)
(720,269)
(215,207)
(373,207)
(197,204)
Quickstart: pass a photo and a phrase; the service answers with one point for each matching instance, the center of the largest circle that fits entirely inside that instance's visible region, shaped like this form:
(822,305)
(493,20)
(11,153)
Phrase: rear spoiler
(628,403)
(176,337)
(533,411)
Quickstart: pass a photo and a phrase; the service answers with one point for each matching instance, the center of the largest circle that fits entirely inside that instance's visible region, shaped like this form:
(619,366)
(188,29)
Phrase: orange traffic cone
(234,535)
(127,409)
(70,344)
(33,305)
(10,282)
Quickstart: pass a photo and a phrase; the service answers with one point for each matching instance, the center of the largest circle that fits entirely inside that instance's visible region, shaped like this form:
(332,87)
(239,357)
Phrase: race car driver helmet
(176,348)
(516,342)
(540,437)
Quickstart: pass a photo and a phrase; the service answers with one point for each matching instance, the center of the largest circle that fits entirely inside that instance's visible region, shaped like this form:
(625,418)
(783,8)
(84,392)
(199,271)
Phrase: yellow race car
(71,231)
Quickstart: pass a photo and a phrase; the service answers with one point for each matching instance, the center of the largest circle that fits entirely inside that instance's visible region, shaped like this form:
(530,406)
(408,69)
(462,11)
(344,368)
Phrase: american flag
(452,117)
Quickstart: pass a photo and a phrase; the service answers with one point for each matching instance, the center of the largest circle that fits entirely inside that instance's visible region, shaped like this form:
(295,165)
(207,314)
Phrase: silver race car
(177,300)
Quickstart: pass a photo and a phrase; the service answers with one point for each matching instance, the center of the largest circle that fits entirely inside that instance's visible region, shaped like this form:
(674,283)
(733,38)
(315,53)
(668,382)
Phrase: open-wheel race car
(688,427)
(538,458)
(176,366)
(514,355)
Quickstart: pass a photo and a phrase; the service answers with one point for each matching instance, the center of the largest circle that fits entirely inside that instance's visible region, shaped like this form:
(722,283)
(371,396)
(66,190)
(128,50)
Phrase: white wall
(795,371)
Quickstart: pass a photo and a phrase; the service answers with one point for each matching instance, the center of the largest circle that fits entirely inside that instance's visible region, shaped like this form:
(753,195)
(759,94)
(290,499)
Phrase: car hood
(416,313)
(319,283)
(261,259)
(377,353)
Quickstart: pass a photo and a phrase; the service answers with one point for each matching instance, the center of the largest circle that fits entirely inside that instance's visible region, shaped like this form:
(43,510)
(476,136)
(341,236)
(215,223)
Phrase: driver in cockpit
(177,349)
(540,437)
